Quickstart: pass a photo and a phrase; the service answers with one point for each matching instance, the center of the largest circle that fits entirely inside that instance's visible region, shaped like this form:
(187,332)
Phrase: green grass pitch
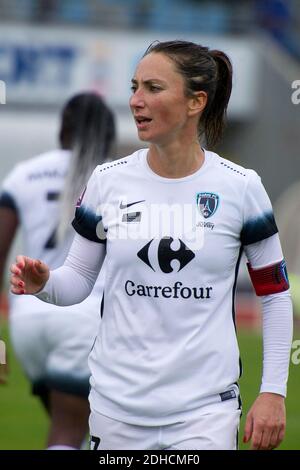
(24,424)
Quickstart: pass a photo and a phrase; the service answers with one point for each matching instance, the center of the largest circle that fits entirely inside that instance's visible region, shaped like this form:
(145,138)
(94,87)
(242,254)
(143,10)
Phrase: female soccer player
(172,221)
(38,196)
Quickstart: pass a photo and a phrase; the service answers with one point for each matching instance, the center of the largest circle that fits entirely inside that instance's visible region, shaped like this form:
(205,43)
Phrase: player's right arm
(69,284)
(73,282)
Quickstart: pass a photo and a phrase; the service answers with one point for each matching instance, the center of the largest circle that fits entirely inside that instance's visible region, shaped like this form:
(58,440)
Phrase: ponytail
(213,119)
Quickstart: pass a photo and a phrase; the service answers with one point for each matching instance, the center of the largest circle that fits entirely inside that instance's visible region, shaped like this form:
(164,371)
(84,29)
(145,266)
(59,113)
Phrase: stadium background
(50,49)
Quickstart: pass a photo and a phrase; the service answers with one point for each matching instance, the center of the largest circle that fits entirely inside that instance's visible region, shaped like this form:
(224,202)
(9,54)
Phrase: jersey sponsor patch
(166,255)
(132,217)
(269,280)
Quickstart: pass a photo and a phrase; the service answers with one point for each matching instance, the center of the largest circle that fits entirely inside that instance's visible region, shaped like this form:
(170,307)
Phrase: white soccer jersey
(167,341)
(32,189)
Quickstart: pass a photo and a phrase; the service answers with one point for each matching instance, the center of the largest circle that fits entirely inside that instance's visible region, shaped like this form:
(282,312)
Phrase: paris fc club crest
(207,203)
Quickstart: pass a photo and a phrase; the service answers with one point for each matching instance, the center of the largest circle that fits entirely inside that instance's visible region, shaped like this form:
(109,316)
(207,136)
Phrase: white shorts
(53,349)
(213,427)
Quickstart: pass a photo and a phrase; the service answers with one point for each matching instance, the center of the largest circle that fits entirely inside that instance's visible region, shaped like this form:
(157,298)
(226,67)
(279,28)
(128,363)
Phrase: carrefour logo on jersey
(208,204)
(167,256)
(176,291)
(167,251)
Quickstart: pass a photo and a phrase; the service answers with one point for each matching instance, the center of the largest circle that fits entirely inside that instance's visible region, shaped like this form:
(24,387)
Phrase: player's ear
(197,103)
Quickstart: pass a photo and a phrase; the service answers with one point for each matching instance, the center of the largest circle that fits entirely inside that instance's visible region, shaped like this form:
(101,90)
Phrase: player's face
(158,102)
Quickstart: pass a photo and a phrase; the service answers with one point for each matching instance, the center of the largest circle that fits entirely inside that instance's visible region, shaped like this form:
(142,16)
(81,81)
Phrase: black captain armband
(269,280)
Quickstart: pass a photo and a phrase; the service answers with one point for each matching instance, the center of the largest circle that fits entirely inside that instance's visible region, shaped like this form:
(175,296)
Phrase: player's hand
(266,421)
(28,276)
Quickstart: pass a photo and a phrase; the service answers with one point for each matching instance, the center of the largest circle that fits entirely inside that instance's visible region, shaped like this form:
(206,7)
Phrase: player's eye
(154,88)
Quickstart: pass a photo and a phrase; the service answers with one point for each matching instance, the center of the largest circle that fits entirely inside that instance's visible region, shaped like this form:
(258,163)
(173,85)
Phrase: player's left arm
(266,420)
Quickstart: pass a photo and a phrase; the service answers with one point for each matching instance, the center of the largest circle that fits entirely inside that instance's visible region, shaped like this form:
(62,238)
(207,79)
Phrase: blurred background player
(38,196)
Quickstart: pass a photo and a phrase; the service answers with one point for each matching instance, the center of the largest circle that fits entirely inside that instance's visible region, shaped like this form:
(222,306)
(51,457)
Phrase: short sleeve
(88,219)
(258,217)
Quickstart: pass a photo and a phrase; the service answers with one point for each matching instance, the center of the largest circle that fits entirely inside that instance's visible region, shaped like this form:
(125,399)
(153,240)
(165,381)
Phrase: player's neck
(175,161)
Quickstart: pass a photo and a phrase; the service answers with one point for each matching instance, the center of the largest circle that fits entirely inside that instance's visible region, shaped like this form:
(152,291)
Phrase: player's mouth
(142,122)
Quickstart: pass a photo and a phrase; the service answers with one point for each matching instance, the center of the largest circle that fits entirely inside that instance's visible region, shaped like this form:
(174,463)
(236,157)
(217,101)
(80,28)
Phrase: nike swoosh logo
(124,206)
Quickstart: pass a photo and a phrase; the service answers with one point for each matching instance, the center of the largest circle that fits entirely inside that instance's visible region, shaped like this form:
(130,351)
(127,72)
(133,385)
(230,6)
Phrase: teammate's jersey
(167,339)
(32,189)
